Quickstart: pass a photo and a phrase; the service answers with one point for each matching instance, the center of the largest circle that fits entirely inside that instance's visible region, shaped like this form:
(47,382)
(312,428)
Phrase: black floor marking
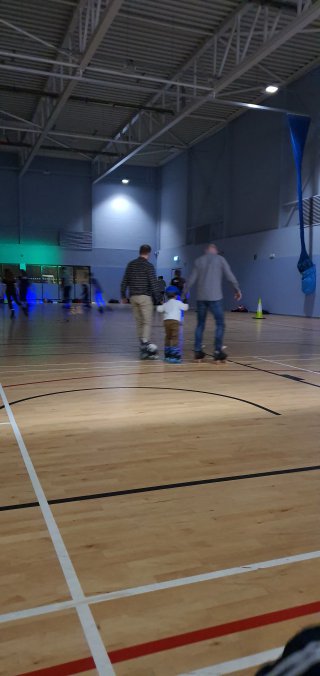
(166,487)
(276,373)
(145,387)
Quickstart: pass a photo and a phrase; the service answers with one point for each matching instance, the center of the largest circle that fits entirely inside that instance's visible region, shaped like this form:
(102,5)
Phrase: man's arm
(231,278)
(192,279)
(154,284)
(124,284)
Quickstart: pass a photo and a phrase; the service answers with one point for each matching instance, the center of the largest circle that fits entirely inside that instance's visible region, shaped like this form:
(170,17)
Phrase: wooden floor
(187,497)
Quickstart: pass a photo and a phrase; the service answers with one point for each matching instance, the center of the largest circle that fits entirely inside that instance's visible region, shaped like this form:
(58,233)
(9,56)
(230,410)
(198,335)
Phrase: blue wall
(123,217)
(57,195)
(240,185)
(236,188)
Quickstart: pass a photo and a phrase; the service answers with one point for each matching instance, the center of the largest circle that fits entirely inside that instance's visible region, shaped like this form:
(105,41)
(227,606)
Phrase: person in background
(85,296)
(172,320)
(208,273)
(66,283)
(140,279)
(10,290)
(162,287)
(23,292)
(178,281)
(98,294)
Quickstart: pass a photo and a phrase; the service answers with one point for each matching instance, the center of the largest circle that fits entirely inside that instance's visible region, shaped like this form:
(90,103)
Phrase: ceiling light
(125,181)
(271,89)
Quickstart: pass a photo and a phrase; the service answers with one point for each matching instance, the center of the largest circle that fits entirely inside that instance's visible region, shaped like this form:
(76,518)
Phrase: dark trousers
(66,293)
(11,294)
(216,309)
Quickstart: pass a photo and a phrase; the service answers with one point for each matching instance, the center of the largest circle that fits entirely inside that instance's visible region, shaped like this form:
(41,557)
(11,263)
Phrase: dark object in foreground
(300,656)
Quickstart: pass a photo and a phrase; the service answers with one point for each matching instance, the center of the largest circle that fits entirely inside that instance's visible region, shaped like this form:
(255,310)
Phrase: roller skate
(199,356)
(148,351)
(220,357)
(175,357)
(167,354)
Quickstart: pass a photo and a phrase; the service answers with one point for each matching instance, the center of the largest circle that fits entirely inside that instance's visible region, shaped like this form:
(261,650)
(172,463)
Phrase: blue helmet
(172,289)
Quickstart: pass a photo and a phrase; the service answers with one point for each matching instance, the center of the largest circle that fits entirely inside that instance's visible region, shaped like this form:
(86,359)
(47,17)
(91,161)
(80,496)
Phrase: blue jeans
(216,309)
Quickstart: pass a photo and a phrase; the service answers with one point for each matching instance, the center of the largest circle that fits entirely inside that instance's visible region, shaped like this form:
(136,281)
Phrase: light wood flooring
(154,474)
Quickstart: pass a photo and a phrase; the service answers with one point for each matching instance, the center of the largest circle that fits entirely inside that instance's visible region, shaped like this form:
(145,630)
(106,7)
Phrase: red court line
(170,642)
(67,669)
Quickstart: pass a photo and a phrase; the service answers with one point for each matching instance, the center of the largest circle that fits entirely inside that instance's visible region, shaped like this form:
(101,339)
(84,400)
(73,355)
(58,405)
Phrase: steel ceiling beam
(99,70)
(108,103)
(85,152)
(89,25)
(78,79)
(205,45)
(95,138)
(235,63)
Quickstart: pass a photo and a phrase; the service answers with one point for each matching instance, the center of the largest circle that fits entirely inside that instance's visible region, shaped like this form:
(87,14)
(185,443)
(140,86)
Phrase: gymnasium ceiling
(139,81)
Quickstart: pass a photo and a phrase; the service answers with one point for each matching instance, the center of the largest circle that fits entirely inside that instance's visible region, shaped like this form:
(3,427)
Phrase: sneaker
(219,355)
(175,360)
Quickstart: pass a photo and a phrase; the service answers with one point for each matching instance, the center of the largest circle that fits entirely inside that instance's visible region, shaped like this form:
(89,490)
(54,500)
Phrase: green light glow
(36,253)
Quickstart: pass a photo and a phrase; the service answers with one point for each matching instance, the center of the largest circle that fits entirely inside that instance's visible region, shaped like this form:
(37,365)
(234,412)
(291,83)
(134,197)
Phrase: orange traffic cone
(259,314)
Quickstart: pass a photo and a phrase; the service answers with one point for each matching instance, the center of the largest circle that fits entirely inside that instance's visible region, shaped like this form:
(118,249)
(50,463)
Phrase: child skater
(172,320)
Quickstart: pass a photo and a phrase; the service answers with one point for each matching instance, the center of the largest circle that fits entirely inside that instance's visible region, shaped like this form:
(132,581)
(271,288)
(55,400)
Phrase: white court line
(65,370)
(115,363)
(67,363)
(290,366)
(5,423)
(238,665)
(109,368)
(90,629)
(160,586)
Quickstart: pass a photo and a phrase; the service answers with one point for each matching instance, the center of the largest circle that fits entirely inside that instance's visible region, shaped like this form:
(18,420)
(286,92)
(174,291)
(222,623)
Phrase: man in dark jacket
(140,278)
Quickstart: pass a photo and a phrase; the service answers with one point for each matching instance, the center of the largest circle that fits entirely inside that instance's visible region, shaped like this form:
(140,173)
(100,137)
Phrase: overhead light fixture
(176,259)
(125,181)
(271,89)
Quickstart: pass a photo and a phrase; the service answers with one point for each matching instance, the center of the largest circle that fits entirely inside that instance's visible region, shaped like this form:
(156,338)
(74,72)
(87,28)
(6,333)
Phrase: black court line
(168,372)
(288,376)
(165,487)
(145,387)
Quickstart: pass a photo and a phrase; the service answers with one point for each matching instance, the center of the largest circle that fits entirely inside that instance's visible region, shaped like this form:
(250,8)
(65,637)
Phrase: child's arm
(160,308)
(183,306)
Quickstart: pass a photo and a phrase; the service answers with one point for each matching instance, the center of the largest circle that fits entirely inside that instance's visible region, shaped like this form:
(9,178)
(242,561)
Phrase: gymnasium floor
(173,514)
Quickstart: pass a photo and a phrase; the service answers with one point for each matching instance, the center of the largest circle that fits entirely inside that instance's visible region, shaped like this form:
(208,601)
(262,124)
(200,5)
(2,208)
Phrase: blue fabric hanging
(299,127)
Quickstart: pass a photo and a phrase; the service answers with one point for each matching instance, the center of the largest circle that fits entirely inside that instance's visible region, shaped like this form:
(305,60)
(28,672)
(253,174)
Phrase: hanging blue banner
(299,127)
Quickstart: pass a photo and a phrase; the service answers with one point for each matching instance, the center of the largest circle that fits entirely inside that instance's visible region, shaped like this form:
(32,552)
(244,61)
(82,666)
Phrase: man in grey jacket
(208,272)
